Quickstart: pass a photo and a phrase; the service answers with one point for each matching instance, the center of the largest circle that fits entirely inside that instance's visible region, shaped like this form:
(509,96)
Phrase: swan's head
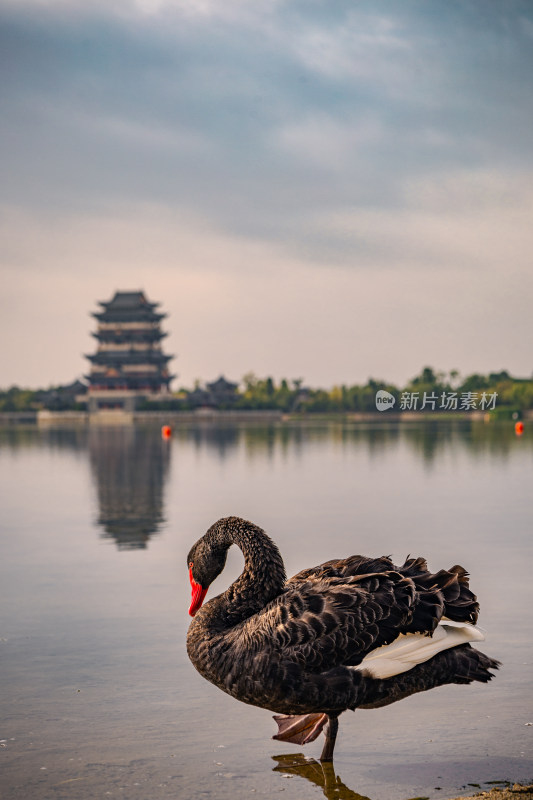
(206,561)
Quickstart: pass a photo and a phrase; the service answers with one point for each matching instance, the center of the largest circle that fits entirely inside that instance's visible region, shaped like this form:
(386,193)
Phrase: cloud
(310,163)
(474,220)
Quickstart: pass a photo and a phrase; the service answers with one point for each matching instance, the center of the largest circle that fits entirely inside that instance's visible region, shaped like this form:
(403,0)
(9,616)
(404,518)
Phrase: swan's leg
(331,735)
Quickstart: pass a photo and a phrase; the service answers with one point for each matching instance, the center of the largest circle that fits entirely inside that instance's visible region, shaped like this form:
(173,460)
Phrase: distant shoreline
(119,417)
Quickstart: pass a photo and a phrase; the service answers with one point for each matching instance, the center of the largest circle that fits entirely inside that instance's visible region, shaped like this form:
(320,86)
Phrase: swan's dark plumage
(291,646)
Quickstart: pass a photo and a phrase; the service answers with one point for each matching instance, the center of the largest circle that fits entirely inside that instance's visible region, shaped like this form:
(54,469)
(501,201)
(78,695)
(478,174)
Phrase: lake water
(98,698)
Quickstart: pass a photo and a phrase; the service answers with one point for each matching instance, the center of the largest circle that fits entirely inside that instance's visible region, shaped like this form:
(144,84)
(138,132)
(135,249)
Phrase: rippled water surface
(98,698)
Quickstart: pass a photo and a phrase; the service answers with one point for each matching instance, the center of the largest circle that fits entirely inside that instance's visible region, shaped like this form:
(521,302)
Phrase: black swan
(351,633)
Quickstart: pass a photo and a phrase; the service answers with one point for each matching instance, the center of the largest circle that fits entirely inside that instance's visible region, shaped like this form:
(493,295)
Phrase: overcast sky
(328,190)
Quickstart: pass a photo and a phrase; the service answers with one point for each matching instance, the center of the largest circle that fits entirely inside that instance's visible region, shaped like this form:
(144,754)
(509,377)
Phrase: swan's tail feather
(479,667)
(461,664)
(299,729)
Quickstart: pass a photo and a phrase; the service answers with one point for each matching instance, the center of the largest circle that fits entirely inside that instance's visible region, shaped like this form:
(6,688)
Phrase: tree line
(436,390)
(292,396)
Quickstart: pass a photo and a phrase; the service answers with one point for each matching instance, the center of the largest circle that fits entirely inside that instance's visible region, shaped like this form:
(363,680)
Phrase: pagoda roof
(221,384)
(128,307)
(63,392)
(129,334)
(129,357)
(140,314)
(128,300)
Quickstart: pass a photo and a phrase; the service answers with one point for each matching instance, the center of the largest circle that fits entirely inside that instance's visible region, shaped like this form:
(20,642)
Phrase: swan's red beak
(198,595)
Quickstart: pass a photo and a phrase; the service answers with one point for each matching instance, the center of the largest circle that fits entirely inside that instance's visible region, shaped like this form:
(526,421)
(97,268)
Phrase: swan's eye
(190,564)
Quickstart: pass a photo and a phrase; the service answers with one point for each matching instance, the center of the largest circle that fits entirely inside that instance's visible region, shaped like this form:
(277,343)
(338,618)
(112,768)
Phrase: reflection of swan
(352,633)
(321,773)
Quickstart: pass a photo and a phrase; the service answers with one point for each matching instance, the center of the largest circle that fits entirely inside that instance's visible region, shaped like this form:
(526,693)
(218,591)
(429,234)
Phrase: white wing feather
(410,649)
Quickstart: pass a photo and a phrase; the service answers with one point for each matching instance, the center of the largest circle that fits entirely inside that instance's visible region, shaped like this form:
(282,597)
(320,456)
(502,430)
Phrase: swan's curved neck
(263,577)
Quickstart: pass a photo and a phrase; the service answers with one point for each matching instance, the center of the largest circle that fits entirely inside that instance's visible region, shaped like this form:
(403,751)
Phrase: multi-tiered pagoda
(129,363)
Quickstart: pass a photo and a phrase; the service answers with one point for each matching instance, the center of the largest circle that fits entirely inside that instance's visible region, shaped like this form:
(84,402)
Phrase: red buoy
(166,431)
(519,428)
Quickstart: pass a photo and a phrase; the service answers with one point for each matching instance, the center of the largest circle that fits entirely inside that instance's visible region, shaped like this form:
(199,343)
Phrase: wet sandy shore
(516,792)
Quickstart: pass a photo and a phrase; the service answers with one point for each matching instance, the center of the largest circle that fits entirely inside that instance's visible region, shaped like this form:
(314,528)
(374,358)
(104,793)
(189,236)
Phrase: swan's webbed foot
(299,728)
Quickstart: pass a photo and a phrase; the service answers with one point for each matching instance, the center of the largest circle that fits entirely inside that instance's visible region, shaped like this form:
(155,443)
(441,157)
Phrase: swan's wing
(449,589)
(345,567)
(443,593)
(322,623)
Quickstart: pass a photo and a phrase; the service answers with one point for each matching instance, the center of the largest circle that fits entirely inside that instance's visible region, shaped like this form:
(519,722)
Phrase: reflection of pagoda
(129,362)
(130,466)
